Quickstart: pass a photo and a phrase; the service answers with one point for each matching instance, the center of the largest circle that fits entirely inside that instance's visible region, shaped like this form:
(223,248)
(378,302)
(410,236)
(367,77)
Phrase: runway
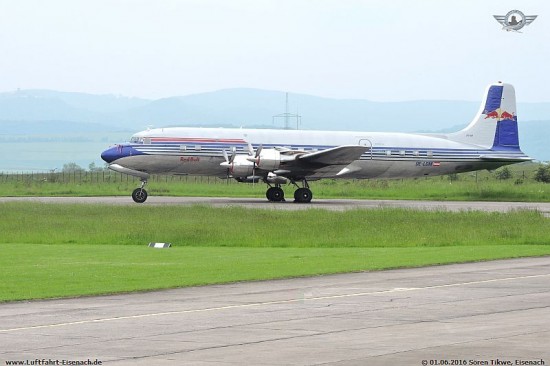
(474,312)
(326,204)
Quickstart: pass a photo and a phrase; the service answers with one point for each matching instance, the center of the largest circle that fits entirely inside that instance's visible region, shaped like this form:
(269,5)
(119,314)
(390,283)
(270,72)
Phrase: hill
(37,115)
(244,107)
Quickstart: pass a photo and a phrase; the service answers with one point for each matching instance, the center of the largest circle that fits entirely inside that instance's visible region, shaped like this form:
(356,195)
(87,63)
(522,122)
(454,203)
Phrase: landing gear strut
(139,195)
(301,195)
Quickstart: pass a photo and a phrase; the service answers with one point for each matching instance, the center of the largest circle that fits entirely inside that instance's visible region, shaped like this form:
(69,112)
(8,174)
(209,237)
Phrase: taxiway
(475,311)
(327,204)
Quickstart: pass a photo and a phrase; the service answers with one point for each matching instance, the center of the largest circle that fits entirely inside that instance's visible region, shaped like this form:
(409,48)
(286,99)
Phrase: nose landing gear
(139,195)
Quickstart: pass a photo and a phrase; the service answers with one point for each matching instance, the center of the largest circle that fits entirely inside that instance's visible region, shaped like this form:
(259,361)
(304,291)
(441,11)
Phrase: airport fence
(524,173)
(80,177)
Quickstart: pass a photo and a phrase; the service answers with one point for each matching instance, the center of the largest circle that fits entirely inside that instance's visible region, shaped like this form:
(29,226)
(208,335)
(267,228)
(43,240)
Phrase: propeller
(256,160)
(229,161)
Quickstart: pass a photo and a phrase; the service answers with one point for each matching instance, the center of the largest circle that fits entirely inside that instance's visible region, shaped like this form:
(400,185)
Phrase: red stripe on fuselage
(192,139)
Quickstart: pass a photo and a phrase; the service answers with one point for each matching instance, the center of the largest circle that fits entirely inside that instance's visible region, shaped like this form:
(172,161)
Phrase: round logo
(515,20)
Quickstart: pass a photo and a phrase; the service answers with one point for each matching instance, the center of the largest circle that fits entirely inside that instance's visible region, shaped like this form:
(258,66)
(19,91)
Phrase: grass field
(51,250)
(480,186)
(437,188)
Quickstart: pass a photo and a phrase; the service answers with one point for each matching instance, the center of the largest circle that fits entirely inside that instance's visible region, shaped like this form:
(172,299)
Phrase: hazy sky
(377,50)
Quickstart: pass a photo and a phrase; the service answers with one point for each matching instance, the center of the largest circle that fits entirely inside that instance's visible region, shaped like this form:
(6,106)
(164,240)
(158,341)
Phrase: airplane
(279,157)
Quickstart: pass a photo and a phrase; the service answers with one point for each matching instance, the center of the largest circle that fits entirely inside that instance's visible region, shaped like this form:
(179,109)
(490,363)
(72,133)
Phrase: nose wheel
(139,195)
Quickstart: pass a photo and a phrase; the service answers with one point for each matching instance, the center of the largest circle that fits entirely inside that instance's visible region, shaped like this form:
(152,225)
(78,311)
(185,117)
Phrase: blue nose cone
(111,154)
(118,152)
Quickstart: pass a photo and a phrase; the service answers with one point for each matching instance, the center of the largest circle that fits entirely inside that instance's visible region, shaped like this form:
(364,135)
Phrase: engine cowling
(240,167)
(269,159)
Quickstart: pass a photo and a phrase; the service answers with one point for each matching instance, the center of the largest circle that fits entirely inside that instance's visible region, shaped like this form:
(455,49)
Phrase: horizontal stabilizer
(507,158)
(341,155)
(132,172)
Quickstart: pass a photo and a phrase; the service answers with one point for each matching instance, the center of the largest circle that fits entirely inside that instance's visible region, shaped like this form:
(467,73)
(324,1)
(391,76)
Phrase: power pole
(287,116)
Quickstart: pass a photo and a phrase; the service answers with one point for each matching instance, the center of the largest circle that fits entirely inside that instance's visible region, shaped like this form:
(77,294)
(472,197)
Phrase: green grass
(55,250)
(198,225)
(34,271)
(480,186)
(439,188)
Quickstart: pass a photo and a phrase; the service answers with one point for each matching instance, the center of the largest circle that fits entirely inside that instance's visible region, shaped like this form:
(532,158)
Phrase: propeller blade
(226,157)
(250,149)
(259,150)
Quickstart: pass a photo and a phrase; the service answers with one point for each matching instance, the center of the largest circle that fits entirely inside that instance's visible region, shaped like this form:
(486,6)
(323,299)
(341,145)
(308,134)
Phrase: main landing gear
(275,194)
(301,195)
(139,195)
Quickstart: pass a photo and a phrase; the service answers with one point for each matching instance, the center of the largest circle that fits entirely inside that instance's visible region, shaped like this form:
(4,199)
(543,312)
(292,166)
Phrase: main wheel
(275,194)
(303,195)
(139,195)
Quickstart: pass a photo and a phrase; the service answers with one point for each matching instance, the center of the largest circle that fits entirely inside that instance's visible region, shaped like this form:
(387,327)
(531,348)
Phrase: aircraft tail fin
(495,126)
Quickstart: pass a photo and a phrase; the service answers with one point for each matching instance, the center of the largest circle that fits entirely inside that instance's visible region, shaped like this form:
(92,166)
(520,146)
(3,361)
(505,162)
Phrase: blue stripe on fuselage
(216,150)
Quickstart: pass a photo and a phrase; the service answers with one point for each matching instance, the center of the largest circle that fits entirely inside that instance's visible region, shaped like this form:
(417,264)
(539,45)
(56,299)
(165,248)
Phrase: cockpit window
(136,140)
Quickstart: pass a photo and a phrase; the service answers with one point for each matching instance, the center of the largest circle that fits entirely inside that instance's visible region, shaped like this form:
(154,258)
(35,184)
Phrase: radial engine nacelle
(263,159)
(239,166)
(268,159)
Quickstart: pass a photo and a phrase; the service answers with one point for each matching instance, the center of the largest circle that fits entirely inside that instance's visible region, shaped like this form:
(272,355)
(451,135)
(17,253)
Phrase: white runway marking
(278,302)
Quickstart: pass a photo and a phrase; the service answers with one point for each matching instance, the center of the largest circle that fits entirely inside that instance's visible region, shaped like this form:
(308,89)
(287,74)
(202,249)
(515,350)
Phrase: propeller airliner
(279,157)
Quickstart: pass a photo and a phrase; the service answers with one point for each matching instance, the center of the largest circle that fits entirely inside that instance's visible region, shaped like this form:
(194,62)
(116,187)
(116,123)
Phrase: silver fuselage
(200,151)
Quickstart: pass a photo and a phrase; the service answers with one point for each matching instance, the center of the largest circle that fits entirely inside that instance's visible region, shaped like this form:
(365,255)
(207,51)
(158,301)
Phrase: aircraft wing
(322,163)
(340,155)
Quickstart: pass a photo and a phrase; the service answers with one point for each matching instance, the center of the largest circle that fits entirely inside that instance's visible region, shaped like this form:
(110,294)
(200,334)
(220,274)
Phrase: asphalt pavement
(463,314)
(327,204)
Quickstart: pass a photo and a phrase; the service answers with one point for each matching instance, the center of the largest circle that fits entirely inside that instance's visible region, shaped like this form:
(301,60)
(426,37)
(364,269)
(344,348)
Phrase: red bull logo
(506,115)
(499,115)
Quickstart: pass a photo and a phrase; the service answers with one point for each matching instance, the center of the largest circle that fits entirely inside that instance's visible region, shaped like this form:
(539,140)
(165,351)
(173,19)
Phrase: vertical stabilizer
(495,126)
